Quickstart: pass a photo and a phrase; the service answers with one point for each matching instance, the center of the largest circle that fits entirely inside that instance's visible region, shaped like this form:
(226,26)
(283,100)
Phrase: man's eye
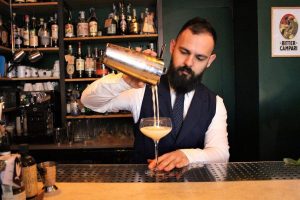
(199,58)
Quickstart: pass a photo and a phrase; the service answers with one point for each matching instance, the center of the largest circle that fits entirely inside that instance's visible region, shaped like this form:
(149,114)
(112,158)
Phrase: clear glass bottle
(54,31)
(3,34)
(79,63)
(45,36)
(69,28)
(82,25)
(93,23)
(40,29)
(29,172)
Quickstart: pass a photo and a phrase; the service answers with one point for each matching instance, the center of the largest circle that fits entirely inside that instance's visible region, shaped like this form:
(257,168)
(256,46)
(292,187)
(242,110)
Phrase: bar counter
(250,180)
(242,180)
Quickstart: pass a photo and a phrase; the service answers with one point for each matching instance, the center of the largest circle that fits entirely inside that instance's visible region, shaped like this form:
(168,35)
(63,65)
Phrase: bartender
(199,116)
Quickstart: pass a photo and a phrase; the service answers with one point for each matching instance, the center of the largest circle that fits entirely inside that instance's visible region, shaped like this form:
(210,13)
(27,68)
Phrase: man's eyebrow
(197,55)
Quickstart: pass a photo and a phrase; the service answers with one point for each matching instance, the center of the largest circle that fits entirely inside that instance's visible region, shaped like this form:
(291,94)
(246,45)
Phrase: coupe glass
(155,128)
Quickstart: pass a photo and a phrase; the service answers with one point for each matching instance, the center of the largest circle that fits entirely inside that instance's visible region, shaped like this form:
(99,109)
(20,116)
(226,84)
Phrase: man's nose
(188,61)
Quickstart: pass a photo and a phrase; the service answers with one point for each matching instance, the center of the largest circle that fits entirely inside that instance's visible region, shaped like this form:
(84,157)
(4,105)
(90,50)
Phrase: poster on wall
(285,31)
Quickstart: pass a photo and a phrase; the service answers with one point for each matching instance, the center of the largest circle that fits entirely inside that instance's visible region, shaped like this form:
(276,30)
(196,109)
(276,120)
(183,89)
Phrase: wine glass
(155,128)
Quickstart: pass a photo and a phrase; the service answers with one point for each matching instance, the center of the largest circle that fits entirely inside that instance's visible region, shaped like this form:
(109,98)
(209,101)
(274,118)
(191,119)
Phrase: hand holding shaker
(133,63)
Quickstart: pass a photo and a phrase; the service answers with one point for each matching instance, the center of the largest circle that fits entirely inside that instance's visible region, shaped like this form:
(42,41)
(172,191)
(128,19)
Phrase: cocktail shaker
(137,64)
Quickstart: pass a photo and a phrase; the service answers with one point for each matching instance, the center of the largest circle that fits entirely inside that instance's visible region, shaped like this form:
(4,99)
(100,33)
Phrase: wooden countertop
(239,190)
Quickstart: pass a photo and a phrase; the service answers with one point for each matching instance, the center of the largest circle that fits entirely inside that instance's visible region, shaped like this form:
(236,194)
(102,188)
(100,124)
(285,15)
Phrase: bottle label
(4,37)
(33,41)
(79,64)
(134,28)
(70,69)
(112,29)
(93,27)
(89,65)
(107,23)
(69,30)
(45,40)
(26,37)
(30,180)
(54,31)
(82,29)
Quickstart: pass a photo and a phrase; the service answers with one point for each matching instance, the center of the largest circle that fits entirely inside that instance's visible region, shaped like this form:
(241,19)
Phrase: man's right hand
(133,82)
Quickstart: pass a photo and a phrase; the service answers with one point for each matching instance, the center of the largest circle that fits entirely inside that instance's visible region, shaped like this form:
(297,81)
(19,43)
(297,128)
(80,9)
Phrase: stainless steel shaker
(137,64)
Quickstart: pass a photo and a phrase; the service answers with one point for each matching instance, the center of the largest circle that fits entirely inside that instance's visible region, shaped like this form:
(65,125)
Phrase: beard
(183,82)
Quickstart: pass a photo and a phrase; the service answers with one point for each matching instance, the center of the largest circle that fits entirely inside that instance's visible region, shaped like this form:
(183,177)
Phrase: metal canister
(137,64)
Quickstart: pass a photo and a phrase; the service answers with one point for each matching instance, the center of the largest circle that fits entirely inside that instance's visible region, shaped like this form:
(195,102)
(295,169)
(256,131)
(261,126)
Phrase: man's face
(191,55)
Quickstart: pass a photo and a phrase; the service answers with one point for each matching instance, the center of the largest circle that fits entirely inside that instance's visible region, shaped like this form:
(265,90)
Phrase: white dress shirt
(112,94)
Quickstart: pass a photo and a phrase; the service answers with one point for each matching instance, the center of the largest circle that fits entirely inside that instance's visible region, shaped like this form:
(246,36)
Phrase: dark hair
(199,25)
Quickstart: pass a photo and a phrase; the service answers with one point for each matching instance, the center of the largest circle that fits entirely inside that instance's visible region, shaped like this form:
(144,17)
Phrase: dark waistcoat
(195,124)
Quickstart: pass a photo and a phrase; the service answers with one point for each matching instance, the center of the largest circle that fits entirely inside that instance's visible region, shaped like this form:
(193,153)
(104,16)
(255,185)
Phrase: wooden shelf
(44,8)
(37,4)
(6,110)
(106,141)
(117,115)
(146,37)
(5,49)
(81,4)
(44,49)
(29,79)
(80,79)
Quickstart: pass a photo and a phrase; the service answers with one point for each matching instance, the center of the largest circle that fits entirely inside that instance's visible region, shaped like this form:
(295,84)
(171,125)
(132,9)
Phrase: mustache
(185,69)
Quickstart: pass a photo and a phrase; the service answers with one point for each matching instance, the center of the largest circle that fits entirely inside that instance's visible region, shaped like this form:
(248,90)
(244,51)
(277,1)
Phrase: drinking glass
(155,128)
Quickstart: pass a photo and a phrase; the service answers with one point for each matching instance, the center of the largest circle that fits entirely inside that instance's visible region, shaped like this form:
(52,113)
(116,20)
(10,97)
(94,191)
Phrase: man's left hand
(169,161)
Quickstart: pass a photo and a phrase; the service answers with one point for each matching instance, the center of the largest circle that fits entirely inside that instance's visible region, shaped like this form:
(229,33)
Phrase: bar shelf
(34,8)
(115,38)
(105,116)
(44,49)
(30,79)
(4,49)
(80,79)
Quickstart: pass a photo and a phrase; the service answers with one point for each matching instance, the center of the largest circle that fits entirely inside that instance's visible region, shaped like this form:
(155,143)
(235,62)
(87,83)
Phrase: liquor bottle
(40,29)
(29,172)
(141,21)
(69,28)
(70,69)
(54,31)
(3,34)
(33,38)
(134,25)
(89,67)
(98,62)
(18,39)
(26,31)
(115,13)
(128,16)
(19,1)
(102,70)
(93,23)
(122,21)
(82,25)
(110,25)
(45,36)
(79,63)
(148,24)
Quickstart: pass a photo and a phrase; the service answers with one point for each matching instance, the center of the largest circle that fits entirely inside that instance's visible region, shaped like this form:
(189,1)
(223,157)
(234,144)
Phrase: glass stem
(156,154)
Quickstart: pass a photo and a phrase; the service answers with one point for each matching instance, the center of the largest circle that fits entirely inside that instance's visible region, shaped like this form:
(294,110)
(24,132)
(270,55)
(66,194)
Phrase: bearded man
(202,134)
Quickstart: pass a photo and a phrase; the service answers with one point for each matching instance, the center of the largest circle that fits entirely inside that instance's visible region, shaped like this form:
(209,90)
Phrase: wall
(279,92)
(220,76)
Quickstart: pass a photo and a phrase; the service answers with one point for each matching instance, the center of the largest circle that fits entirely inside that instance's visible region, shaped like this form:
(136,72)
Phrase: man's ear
(211,59)
(172,45)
